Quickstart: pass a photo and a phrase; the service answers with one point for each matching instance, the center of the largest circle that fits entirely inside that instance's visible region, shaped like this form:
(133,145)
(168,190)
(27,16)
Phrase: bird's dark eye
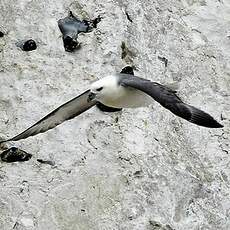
(99,89)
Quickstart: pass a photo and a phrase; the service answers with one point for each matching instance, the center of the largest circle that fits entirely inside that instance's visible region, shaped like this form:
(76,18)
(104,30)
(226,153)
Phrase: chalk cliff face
(136,169)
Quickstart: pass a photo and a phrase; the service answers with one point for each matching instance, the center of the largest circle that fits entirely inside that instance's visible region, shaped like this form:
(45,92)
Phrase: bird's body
(121,91)
(117,96)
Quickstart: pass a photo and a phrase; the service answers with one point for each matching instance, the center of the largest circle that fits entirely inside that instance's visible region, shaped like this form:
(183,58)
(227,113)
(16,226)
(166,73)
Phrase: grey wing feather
(168,99)
(64,112)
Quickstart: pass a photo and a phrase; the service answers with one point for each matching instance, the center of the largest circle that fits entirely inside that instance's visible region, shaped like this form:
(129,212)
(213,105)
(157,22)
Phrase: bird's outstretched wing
(168,98)
(64,112)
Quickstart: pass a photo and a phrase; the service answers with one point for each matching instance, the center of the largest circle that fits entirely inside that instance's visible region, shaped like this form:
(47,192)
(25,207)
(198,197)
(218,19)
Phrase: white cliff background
(132,170)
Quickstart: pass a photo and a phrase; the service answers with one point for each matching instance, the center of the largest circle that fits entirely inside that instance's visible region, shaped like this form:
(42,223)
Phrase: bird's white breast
(117,96)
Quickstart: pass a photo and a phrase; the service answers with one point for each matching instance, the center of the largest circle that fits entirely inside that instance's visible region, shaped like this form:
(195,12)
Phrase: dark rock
(52,163)
(71,26)
(124,50)
(96,21)
(138,173)
(70,44)
(14,154)
(29,45)
(104,108)
(158,226)
(1,34)
(127,54)
(164,60)
(128,17)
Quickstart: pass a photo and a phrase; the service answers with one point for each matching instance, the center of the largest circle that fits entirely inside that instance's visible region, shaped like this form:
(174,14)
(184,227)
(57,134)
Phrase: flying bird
(120,90)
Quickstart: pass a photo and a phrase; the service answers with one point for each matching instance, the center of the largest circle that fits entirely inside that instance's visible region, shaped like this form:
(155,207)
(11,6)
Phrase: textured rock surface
(135,169)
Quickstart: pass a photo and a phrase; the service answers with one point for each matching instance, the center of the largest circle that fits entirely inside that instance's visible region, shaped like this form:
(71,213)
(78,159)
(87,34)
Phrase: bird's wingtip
(218,125)
(212,123)
(202,118)
(3,141)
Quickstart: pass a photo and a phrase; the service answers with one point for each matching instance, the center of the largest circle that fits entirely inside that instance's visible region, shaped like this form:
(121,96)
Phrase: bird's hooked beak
(91,96)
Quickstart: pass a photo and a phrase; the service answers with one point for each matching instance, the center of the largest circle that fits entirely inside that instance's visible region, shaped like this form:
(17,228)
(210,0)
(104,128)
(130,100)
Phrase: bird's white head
(103,88)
